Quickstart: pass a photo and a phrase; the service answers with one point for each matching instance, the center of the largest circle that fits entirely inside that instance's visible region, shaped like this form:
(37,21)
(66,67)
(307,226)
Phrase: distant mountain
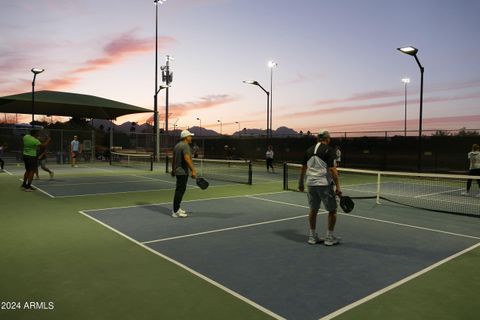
(126,127)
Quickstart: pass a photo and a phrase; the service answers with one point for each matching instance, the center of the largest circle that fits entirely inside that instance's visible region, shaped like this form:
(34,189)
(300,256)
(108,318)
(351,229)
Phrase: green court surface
(52,254)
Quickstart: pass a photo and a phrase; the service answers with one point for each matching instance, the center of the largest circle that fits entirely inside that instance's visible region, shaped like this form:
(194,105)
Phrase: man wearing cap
(182,164)
(321,174)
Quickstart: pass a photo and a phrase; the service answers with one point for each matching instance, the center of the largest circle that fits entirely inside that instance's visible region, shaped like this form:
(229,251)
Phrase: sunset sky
(338,67)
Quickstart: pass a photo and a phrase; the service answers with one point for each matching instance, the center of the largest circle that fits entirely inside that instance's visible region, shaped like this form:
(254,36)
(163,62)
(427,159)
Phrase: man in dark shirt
(182,164)
(319,168)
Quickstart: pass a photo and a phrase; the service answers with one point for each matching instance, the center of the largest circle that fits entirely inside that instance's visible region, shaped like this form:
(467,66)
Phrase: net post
(166,163)
(378,187)
(151,162)
(285,176)
(110,159)
(250,172)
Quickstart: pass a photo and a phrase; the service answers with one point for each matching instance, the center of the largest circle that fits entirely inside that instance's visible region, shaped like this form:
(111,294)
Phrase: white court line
(42,191)
(436,193)
(194,200)
(224,229)
(397,284)
(154,179)
(8,172)
(201,276)
(238,227)
(413,226)
(101,169)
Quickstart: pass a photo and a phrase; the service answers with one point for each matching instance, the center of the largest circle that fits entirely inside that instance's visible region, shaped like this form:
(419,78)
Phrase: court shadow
(157,208)
(292,235)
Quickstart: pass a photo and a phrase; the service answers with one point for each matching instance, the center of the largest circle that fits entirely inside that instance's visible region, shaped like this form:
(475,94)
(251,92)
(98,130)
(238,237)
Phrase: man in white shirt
(474,157)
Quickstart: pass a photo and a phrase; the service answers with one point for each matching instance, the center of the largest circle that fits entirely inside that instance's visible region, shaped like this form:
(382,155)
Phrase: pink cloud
(371,95)
(453,122)
(206,102)
(122,47)
(301,78)
(339,109)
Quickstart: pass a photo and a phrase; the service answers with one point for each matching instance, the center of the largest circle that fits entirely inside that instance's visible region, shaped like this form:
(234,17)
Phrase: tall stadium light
(412,51)
(167,77)
(35,71)
(221,131)
(271,65)
(255,83)
(200,125)
(405,82)
(156,144)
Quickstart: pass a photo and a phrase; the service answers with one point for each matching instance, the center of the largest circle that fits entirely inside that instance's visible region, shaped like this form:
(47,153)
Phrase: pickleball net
(237,171)
(436,192)
(141,161)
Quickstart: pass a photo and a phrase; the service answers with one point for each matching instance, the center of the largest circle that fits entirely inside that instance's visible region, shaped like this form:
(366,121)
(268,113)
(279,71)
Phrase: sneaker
(465,193)
(51,175)
(314,239)
(331,240)
(180,210)
(75,166)
(29,189)
(179,214)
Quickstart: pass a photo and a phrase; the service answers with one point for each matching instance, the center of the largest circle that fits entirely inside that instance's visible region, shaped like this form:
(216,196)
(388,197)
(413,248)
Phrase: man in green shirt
(30,144)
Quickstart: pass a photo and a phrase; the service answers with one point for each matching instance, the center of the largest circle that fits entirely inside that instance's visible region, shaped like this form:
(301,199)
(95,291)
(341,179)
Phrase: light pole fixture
(221,131)
(239,132)
(255,83)
(412,51)
(271,65)
(35,71)
(405,81)
(167,77)
(156,144)
(200,124)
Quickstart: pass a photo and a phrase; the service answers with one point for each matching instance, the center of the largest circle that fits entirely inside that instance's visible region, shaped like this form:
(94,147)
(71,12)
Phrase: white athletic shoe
(331,240)
(465,193)
(179,214)
(51,175)
(314,239)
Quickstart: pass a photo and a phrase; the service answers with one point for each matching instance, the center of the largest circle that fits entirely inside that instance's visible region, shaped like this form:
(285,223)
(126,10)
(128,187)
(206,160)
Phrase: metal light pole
(271,65)
(156,145)
(268,100)
(35,72)
(412,51)
(221,133)
(405,81)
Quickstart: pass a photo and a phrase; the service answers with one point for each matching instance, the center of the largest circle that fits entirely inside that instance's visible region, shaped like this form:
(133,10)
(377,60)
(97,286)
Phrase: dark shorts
(319,194)
(30,163)
(75,154)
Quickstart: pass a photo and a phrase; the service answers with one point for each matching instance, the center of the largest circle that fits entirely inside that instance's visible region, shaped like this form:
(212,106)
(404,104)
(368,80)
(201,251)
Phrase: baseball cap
(323,134)
(185,133)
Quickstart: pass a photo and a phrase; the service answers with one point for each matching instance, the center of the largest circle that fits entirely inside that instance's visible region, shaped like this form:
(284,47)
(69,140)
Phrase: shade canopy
(55,103)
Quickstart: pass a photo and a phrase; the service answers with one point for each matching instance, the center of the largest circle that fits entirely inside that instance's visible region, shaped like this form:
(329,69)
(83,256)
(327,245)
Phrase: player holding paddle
(182,164)
(319,167)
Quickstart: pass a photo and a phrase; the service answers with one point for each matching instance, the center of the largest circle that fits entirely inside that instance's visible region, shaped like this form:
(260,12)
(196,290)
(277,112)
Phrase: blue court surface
(255,247)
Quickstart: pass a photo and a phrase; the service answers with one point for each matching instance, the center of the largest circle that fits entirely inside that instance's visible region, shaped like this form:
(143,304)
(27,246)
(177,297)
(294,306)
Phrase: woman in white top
(474,157)
(269,157)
